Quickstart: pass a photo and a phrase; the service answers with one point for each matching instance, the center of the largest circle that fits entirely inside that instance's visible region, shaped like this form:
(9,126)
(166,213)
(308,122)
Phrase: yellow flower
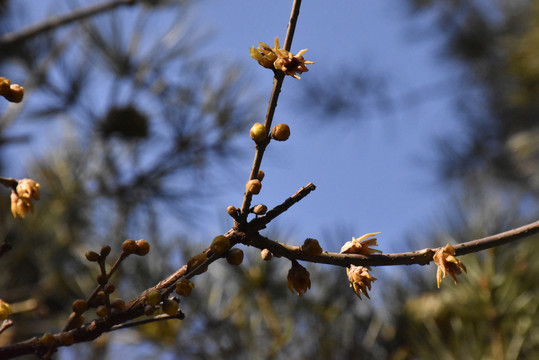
(360,279)
(21,200)
(298,279)
(361,245)
(28,188)
(264,54)
(5,310)
(280,59)
(447,263)
(20,206)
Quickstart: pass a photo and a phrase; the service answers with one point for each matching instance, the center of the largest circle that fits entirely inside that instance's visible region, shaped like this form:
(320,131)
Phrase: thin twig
(54,22)
(9,182)
(276,90)
(261,222)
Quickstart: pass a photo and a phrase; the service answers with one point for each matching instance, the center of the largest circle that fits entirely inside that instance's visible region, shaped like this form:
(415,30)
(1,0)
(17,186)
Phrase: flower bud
(253,186)
(258,132)
(109,288)
(92,256)
(280,132)
(5,85)
(260,209)
(118,304)
(265,255)
(232,211)
(79,306)
(220,244)
(234,256)
(184,287)
(143,247)
(105,251)
(311,247)
(15,93)
(153,298)
(129,246)
(170,307)
(102,311)
(260,175)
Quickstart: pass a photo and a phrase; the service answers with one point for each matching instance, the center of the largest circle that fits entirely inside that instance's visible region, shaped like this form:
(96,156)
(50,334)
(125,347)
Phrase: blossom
(447,263)
(361,245)
(5,310)
(360,279)
(298,279)
(21,198)
(280,59)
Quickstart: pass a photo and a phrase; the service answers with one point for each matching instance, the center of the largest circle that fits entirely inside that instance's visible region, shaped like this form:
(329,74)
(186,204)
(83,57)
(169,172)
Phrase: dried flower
(280,59)
(5,310)
(20,206)
(360,279)
(447,263)
(361,245)
(28,188)
(21,198)
(298,279)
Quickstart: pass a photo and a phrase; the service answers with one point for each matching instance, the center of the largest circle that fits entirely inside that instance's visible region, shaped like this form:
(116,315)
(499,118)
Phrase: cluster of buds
(12,92)
(298,279)
(280,59)
(360,279)
(21,198)
(446,261)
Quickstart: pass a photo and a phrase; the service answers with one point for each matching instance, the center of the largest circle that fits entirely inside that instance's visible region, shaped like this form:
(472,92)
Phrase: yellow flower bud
(220,244)
(253,186)
(153,298)
(170,307)
(234,256)
(258,132)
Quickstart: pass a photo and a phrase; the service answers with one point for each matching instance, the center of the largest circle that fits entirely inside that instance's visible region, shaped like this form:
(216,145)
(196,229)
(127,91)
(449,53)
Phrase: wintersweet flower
(360,279)
(446,261)
(21,200)
(361,245)
(298,279)
(280,59)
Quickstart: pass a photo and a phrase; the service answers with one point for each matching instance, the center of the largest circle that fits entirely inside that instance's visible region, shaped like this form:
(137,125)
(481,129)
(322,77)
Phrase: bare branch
(420,257)
(57,21)
(276,90)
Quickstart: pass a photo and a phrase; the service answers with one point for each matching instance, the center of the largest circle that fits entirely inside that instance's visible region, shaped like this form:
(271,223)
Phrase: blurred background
(419,120)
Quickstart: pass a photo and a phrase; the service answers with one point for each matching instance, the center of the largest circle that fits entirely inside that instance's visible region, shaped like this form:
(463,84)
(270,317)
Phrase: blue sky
(372,174)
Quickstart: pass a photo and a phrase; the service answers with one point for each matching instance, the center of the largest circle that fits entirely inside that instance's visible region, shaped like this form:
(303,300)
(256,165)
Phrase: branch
(57,21)
(261,222)
(420,257)
(276,90)
(9,182)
